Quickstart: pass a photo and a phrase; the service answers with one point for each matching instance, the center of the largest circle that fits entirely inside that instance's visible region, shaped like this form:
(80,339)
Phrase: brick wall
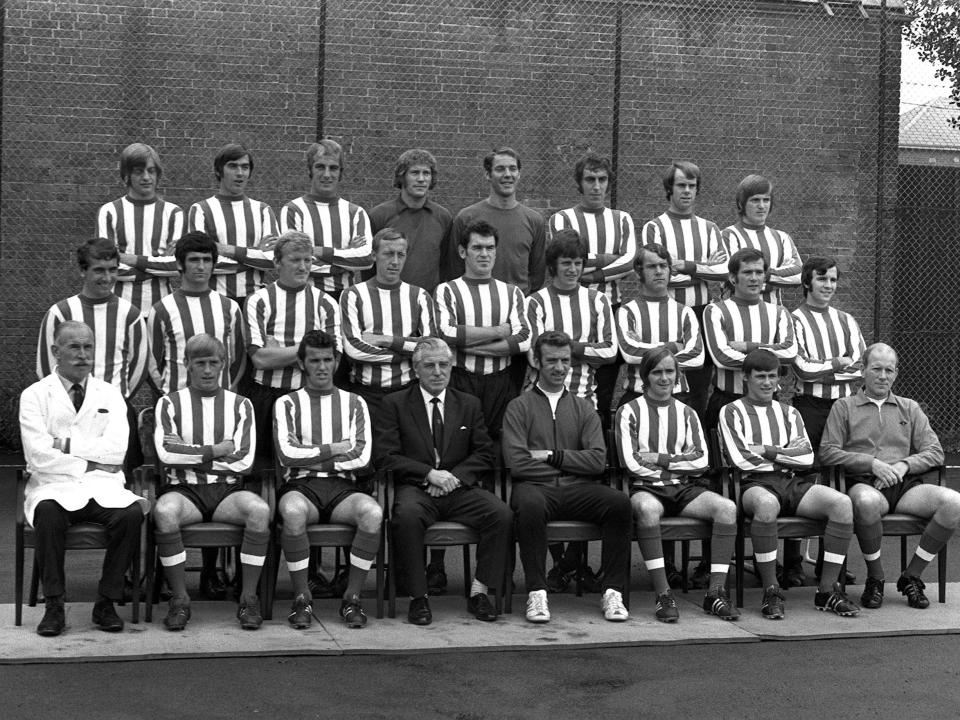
(737,86)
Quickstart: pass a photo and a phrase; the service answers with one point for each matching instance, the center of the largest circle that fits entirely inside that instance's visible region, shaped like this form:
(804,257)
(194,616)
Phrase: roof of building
(927,135)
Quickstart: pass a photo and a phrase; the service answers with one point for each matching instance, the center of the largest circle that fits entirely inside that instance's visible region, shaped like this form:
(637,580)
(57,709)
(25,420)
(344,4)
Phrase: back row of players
(497,252)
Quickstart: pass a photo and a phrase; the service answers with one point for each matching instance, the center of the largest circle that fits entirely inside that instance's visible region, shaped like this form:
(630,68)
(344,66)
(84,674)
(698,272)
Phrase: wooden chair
(82,536)
(322,535)
(440,534)
(196,535)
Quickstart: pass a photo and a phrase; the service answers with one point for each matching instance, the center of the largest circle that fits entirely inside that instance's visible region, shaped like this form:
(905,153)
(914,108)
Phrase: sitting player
(205,438)
(661,445)
(767,441)
(323,437)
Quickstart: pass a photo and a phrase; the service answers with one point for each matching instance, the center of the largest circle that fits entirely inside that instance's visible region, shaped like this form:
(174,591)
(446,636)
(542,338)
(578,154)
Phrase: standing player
(582,313)
(205,438)
(698,257)
(522,231)
(766,440)
(144,228)
(424,223)
(278,316)
(661,446)
(339,229)
(383,318)
(829,348)
(238,223)
(118,328)
(611,249)
(323,436)
(483,320)
(740,324)
(754,203)
(655,319)
(193,309)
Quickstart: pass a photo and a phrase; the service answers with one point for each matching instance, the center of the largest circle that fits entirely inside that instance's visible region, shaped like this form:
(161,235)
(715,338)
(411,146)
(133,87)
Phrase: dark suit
(404,445)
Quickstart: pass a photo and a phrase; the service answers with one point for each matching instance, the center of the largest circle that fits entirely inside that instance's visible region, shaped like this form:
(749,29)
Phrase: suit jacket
(98,432)
(404,443)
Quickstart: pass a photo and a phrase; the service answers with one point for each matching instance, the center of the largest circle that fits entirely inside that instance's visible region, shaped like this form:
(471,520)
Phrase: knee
(132,517)
(867,507)
(371,518)
(766,510)
(504,517)
(48,514)
(951,509)
(726,512)
(294,519)
(258,516)
(842,510)
(166,516)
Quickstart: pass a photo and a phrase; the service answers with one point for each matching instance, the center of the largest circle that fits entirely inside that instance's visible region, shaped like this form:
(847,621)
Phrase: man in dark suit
(434,440)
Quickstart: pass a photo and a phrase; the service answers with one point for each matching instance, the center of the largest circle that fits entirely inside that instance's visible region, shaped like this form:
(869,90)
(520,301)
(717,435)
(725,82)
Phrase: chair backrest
(146,423)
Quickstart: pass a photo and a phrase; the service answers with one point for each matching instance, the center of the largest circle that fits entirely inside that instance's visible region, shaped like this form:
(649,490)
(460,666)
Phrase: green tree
(935,33)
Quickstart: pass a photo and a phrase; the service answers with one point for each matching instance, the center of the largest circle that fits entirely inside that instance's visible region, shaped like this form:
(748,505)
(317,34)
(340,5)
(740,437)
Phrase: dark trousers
(50,523)
(814,412)
(414,511)
(536,504)
(494,391)
(263,397)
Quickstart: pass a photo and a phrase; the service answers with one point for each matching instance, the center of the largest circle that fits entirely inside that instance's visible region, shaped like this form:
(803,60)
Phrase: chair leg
(739,560)
(34,581)
(508,577)
(135,577)
(942,574)
(150,561)
(18,583)
(391,575)
(903,553)
(381,555)
(684,563)
(466,571)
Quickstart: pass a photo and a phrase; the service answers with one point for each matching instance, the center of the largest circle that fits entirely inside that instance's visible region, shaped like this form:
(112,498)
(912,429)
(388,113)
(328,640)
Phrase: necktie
(437,429)
(77,391)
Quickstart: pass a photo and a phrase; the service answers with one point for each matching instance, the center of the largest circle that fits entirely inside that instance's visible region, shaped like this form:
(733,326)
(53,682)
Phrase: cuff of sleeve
(325,254)
(397,345)
(207,454)
(140,263)
(769,453)
(663,460)
(65,448)
(751,346)
(513,345)
(556,459)
(689,267)
(835,363)
(461,335)
(240,253)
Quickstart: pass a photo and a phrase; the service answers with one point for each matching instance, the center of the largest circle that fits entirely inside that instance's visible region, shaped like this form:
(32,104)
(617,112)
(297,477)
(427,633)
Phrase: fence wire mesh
(802,92)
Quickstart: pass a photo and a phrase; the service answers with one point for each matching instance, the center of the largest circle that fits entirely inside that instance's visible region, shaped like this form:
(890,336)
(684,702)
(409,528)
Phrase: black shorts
(892,493)
(674,498)
(788,488)
(324,493)
(205,496)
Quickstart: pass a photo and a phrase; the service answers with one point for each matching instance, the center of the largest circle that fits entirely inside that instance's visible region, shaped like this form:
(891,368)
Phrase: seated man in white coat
(74,432)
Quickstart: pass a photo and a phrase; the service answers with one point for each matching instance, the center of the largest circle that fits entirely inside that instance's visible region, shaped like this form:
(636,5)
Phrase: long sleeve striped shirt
(120,339)
(694,240)
(149,230)
(466,302)
(403,312)
(778,248)
(823,337)
(286,315)
(585,316)
(607,232)
(775,426)
(670,429)
(190,422)
(647,323)
(307,422)
(332,226)
(241,223)
(180,316)
(759,324)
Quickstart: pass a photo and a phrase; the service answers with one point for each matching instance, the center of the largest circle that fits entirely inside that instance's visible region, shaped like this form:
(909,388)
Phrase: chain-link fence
(802,92)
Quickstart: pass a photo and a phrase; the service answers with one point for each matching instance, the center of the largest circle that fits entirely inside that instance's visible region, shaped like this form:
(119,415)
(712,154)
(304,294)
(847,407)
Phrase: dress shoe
(419,612)
(212,586)
(481,608)
(54,620)
(105,617)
